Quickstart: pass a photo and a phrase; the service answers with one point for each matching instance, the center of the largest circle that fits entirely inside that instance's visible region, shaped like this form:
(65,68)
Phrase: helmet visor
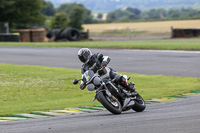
(82,59)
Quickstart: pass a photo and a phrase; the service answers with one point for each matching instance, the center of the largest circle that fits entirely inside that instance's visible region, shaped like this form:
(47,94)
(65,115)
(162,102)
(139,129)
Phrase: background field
(160,44)
(26,88)
(152,27)
(138,30)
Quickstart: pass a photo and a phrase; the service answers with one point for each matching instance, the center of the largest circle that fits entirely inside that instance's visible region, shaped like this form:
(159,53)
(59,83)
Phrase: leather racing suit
(98,61)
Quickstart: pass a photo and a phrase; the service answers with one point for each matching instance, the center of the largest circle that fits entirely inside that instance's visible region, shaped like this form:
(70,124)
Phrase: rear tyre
(110,103)
(139,104)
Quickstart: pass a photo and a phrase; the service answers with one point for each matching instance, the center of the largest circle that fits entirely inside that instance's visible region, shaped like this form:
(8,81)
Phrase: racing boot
(129,86)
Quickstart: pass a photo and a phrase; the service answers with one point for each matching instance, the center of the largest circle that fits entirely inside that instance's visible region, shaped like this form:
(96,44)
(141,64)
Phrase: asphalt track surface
(153,62)
(181,116)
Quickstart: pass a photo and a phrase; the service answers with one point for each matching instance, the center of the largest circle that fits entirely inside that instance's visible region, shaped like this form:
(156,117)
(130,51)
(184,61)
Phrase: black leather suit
(96,62)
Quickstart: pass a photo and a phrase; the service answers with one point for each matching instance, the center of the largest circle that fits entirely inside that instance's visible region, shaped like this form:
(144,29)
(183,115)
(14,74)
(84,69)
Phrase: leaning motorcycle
(113,97)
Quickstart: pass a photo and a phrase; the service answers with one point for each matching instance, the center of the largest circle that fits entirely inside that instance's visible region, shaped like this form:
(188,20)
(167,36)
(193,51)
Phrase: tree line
(67,15)
(134,14)
(29,13)
(21,13)
(119,15)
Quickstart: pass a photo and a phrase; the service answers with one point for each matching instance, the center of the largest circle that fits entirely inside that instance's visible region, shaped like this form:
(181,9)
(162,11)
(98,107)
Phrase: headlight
(90,87)
(97,81)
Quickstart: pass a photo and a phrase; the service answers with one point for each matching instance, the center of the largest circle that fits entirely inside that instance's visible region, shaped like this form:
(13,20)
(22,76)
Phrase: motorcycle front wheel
(139,104)
(110,103)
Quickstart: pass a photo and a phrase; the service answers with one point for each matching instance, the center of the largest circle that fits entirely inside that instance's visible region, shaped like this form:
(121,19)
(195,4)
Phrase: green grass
(157,45)
(26,88)
(119,32)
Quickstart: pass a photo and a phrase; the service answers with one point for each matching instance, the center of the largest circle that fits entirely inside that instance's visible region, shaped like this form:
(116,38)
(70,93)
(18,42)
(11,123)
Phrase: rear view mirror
(75,81)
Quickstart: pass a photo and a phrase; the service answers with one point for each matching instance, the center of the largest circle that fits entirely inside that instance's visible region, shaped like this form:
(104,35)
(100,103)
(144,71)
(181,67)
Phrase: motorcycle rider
(99,62)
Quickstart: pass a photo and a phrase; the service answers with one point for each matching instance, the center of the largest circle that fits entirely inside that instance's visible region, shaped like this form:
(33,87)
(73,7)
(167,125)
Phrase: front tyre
(110,103)
(139,104)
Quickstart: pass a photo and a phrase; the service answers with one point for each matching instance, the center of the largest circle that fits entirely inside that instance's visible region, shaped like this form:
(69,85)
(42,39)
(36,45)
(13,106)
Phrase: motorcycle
(112,96)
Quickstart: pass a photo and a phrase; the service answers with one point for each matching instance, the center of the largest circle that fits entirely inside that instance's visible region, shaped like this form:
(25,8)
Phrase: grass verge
(157,45)
(26,88)
(118,32)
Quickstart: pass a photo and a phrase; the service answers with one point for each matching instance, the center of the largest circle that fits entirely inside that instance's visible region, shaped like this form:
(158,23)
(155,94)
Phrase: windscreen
(88,75)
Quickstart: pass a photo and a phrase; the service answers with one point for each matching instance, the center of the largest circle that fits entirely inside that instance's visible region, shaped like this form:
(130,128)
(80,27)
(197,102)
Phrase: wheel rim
(113,101)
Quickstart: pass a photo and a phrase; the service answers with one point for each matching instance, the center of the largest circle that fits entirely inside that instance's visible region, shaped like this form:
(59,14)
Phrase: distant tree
(110,17)
(60,21)
(6,8)
(130,14)
(118,14)
(157,13)
(132,17)
(134,10)
(174,13)
(67,8)
(48,9)
(48,22)
(76,18)
(22,13)
(194,13)
(87,17)
(153,14)
(124,14)
(189,13)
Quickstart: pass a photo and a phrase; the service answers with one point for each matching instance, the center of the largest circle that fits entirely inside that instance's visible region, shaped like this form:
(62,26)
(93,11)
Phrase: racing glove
(82,86)
(103,65)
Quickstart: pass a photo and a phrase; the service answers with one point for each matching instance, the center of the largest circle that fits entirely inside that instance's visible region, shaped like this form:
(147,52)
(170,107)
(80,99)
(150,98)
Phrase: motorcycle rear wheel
(139,104)
(110,103)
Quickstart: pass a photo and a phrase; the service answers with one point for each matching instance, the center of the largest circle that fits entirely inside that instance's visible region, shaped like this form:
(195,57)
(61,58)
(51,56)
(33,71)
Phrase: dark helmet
(84,55)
